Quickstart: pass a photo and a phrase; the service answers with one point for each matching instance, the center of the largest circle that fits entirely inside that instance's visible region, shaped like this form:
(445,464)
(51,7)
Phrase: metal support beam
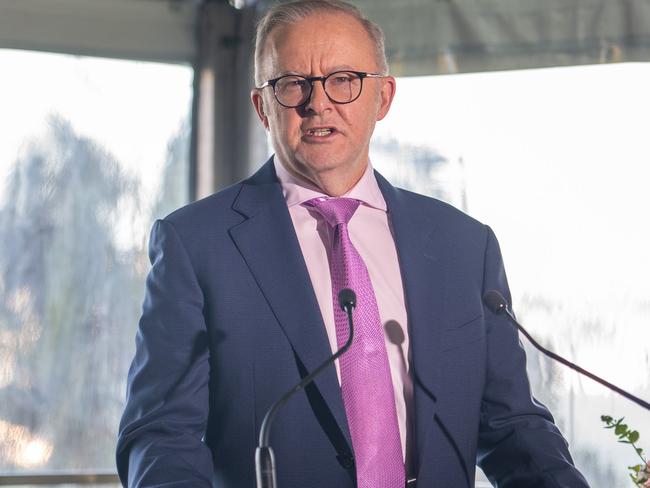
(223,116)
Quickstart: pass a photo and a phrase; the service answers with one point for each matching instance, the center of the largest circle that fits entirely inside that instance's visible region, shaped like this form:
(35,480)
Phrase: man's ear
(258,103)
(387,94)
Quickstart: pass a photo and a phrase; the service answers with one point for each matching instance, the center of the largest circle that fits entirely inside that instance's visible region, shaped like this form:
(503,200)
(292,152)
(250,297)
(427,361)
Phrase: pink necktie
(366,382)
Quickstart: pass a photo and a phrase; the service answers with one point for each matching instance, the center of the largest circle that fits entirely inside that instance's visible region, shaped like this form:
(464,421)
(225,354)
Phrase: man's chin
(319,162)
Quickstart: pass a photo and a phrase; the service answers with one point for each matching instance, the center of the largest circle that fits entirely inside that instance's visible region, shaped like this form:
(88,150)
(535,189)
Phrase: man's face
(318,46)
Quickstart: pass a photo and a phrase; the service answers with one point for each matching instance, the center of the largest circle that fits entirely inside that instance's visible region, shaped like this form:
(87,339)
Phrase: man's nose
(319,101)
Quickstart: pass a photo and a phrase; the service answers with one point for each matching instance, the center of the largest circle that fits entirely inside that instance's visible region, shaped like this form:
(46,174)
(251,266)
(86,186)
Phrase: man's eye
(343,79)
(297,83)
(292,83)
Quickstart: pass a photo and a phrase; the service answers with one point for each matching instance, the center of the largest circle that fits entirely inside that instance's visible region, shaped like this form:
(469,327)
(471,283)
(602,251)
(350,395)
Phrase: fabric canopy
(160,30)
(423,36)
(449,36)
(426,37)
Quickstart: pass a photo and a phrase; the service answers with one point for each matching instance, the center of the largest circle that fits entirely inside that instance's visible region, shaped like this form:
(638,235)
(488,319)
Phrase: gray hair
(292,12)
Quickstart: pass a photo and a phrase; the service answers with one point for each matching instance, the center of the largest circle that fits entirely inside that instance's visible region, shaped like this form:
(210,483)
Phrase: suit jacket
(230,322)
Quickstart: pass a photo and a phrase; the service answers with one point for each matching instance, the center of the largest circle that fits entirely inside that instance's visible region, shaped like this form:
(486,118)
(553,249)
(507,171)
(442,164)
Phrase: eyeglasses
(340,87)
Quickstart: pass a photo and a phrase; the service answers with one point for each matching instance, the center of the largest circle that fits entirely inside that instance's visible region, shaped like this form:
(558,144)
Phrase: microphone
(264,458)
(347,300)
(495,302)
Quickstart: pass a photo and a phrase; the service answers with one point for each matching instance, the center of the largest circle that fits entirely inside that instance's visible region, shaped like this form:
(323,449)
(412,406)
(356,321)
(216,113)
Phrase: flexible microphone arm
(497,304)
(264,458)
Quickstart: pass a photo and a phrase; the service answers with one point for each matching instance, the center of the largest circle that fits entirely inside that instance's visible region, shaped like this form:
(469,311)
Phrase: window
(556,161)
(92,150)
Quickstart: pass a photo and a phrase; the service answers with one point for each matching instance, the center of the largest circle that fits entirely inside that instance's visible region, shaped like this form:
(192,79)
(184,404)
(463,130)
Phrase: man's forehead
(321,25)
(336,41)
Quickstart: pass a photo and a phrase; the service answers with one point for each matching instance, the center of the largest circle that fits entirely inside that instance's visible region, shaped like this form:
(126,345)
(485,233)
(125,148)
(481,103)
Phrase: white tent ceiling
(161,30)
(423,36)
(428,37)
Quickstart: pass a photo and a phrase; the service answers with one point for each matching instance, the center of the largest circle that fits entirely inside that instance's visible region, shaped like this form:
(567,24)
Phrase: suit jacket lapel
(268,243)
(423,277)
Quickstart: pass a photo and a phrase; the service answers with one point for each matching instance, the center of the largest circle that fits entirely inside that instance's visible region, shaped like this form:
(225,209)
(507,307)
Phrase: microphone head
(347,299)
(495,302)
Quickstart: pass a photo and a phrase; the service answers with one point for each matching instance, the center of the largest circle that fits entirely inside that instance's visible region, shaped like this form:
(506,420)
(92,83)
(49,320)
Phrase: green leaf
(620,429)
(633,436)
(606,418)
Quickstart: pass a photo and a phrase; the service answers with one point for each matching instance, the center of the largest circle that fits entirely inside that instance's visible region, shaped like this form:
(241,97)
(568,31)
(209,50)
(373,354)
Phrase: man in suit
(241,304)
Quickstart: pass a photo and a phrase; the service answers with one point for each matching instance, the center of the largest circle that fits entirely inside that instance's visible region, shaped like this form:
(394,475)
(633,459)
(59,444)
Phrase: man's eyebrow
(289,72)
(343,67)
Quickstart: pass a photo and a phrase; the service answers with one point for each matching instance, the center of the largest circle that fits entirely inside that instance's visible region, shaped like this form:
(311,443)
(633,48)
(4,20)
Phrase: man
(241,303)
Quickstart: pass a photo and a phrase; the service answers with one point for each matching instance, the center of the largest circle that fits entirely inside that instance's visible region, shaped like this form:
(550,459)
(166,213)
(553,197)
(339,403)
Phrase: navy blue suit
(230,321)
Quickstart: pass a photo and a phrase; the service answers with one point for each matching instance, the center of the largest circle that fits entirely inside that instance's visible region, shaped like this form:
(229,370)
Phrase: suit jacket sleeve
(161,433)
(519,444)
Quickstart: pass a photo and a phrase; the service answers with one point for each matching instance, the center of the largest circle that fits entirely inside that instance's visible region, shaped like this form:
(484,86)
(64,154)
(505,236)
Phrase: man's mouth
(319,132)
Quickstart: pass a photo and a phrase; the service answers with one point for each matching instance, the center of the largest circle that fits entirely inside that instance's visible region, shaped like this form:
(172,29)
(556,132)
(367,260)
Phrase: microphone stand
(497,304)
(264,458)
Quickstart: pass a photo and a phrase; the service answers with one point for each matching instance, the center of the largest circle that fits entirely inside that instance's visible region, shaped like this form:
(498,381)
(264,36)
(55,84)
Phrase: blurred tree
(175,186)
(69,298)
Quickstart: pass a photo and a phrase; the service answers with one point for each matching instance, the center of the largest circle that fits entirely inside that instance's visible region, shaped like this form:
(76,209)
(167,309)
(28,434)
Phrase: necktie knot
(335,210)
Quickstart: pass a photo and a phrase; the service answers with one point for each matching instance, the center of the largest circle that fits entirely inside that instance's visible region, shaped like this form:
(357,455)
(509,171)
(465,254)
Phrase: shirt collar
(297,191)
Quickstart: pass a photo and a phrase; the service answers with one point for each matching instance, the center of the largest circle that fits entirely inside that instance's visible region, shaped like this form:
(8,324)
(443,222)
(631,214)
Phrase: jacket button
(346,460)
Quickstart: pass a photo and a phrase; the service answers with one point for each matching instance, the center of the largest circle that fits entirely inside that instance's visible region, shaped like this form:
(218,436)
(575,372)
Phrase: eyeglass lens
(340,87)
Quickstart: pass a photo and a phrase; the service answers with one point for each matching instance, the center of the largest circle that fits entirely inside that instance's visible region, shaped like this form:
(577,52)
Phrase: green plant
(640,473)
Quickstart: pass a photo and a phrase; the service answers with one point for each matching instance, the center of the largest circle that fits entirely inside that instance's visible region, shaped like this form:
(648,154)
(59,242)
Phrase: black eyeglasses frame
(322,79)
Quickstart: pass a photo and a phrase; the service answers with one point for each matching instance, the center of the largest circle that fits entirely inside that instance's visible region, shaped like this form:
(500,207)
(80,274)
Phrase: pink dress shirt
(371,234)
